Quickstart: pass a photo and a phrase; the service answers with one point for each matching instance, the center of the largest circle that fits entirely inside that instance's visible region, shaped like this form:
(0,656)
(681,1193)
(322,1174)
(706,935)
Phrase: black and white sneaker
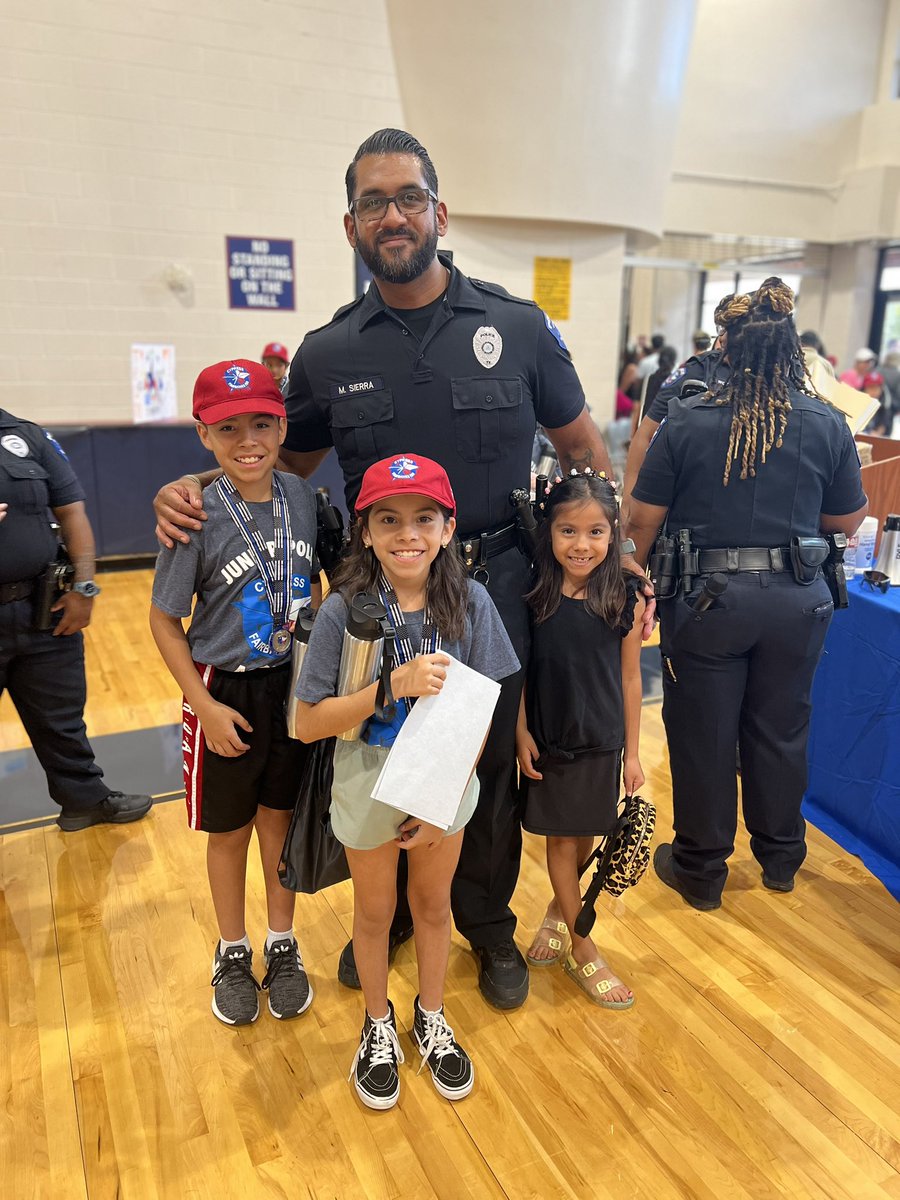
(451,1068)
(286,981)
(234,998)
(377,1079)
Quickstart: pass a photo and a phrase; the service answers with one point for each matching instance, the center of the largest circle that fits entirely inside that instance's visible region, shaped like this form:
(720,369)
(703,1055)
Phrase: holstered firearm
(330,540)
(520,499)
(687,561)
(833,569)
(664,567)
(54,581)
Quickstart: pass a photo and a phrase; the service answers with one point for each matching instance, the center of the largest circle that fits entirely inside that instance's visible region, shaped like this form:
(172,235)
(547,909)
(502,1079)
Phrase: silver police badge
(15,445)
(488,346)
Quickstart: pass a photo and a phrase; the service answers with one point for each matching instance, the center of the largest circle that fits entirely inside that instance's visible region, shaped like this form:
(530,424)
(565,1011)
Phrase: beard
(392,267)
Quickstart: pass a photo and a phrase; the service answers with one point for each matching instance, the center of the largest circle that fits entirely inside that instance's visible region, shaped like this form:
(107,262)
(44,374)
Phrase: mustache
(395,233)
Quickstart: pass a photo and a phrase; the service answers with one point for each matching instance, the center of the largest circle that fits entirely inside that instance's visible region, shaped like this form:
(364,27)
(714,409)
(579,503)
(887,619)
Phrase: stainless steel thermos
(362,649)
(302,629)
(889,550)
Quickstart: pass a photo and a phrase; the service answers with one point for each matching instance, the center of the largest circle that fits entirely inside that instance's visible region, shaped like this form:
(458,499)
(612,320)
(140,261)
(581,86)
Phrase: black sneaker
(377,1080)
(503,976)
(451,1068)
(289,990)
(664,867)
(347,973)
(234,988)
(117,809)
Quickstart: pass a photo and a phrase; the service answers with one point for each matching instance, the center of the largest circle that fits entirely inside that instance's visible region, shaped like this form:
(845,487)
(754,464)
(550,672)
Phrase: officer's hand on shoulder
(76,613)
(178,506)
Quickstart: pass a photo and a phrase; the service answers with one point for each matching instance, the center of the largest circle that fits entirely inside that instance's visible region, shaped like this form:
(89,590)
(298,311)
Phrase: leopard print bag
(622,857)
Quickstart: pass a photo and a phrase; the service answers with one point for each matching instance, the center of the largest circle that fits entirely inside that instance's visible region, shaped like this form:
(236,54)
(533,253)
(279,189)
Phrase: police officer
(44,668)
(429,360)
(756,474)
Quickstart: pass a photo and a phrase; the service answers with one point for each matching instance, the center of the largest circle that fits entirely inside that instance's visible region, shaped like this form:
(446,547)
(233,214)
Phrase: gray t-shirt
(232,619)
(484,646)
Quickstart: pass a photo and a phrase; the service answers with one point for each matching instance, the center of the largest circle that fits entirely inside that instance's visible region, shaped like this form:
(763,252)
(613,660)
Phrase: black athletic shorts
(223,794)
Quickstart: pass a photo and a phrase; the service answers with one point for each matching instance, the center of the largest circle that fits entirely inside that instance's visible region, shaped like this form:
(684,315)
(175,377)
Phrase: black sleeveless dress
(576,715)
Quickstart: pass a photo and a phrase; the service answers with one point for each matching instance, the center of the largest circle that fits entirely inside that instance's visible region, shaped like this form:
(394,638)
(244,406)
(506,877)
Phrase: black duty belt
(478,549)
(16,591)
(744,558)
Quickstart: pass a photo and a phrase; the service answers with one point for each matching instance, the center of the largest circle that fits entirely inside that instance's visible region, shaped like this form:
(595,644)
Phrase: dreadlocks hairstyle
(447,590)
(604,594)
(766,365)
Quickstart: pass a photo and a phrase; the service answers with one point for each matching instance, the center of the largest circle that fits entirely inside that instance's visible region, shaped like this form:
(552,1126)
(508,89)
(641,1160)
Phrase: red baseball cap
(405,474)
(235,386)
(276,350)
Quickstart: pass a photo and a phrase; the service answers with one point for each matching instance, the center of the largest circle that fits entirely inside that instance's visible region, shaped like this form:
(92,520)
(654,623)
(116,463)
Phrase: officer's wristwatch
(88,588)
(627,546)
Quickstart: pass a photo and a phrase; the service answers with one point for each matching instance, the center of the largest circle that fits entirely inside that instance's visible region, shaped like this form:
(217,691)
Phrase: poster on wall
(153,396)
(553,286)
(260,273)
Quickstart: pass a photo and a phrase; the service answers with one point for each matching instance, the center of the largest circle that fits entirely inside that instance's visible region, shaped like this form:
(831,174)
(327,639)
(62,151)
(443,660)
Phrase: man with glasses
(456,369)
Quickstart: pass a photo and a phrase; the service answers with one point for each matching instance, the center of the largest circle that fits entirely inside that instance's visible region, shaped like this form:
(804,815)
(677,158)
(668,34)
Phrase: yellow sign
(553,286)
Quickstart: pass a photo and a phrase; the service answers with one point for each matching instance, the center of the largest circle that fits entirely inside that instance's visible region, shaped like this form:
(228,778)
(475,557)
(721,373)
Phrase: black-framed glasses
(409,203)
(876,581)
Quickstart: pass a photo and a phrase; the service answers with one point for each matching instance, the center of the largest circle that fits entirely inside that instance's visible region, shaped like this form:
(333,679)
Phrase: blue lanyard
(275,568)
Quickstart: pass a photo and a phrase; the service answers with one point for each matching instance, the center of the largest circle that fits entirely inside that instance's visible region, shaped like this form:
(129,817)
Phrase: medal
(275,567)
(281,641)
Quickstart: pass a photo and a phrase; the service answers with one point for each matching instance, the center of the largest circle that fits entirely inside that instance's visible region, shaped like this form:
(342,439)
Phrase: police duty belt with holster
(52,583)
(675,563)
(520,533)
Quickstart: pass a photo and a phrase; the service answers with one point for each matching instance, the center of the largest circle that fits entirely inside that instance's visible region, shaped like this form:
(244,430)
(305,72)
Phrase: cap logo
(404,468)
(237,378)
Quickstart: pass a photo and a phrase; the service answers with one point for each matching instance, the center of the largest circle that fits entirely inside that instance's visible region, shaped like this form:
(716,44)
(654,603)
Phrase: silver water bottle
(889,550)
(302,630)
(361,651)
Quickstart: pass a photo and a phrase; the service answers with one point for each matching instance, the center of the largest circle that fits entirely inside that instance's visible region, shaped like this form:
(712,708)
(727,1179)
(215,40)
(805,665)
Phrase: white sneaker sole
(378,1104)
(227,1020)
(459,1093)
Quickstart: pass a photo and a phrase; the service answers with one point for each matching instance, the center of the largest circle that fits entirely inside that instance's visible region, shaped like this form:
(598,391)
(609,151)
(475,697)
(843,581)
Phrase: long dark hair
(447,589)
(604,593)
(767,364)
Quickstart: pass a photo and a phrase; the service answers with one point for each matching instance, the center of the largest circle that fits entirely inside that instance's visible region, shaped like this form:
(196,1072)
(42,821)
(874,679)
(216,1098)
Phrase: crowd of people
(432,443)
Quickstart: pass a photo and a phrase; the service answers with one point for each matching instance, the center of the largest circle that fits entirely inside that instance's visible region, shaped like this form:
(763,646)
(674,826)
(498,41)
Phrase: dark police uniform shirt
(708,367)
(34,475)
(815,471)
(467,393)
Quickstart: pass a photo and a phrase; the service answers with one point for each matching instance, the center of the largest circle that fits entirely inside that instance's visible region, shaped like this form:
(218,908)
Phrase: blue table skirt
(854,745)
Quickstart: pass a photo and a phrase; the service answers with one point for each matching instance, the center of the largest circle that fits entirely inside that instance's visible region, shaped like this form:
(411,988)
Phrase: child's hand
(423,676)
(632,776)
(220,728)
(527,752)
(415,833)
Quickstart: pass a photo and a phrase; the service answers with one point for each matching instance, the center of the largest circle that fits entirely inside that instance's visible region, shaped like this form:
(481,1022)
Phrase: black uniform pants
(740,673)
(45,679)
(488,867)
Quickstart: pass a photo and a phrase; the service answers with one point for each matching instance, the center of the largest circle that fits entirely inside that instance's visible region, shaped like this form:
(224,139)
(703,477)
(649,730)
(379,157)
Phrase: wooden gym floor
(760,1060)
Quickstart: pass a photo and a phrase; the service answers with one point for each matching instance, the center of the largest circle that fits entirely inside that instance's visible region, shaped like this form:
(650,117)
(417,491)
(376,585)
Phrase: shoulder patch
(656,433)
(551,325)
(56,446)
(673,378)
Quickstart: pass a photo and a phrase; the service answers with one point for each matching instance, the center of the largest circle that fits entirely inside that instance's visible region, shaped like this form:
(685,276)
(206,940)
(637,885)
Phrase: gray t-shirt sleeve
(488,648)
(177,577)
(319,674)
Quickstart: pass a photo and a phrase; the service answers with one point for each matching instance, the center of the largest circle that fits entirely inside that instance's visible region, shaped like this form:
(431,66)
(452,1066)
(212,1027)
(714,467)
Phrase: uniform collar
(461,293)
(7,420)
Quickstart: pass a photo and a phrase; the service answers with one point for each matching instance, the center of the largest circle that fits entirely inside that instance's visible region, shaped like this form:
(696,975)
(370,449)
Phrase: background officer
(44,669)
(458,370)
(748,471)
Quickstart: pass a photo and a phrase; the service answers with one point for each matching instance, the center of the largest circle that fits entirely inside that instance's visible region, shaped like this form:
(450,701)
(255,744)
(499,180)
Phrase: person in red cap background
(249,569)
(276,360)
(402,550)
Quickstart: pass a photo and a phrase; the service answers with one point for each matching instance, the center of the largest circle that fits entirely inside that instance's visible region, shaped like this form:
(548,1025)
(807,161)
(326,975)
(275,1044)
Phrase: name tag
(340,390)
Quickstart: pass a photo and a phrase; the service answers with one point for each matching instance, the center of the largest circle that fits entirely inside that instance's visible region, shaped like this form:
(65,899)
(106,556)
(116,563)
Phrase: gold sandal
(583,976)
(557,944)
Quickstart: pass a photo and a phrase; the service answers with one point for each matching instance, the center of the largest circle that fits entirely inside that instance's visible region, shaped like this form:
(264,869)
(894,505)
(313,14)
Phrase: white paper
(857,407)
(428,768)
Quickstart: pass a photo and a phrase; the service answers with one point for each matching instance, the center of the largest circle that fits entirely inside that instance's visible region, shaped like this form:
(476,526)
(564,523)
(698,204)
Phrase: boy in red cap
(245,574)
(276,360)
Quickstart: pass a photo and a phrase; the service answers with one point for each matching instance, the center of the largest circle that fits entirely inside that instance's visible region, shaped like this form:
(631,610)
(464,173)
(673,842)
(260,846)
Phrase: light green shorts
(362,823)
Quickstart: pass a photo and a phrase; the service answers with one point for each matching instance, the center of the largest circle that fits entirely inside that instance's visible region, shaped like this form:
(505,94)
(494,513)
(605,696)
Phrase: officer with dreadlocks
(757,486)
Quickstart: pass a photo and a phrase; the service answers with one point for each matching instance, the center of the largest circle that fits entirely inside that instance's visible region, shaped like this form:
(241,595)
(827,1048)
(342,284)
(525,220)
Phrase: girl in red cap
(402,548)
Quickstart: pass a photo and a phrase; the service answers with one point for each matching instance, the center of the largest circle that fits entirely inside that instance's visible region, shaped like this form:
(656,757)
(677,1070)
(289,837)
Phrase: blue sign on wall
(260,273)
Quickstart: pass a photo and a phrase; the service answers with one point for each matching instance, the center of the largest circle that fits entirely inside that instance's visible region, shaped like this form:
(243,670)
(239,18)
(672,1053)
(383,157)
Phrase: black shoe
(289,990)
(377,1080)
(451,1068)
(117,809)
(665,869)
(777,885)
(347,973)
(503,976)
(235,989)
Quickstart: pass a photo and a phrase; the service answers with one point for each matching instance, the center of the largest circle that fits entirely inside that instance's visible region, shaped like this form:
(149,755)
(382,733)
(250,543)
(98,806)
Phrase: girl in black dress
(579,715)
